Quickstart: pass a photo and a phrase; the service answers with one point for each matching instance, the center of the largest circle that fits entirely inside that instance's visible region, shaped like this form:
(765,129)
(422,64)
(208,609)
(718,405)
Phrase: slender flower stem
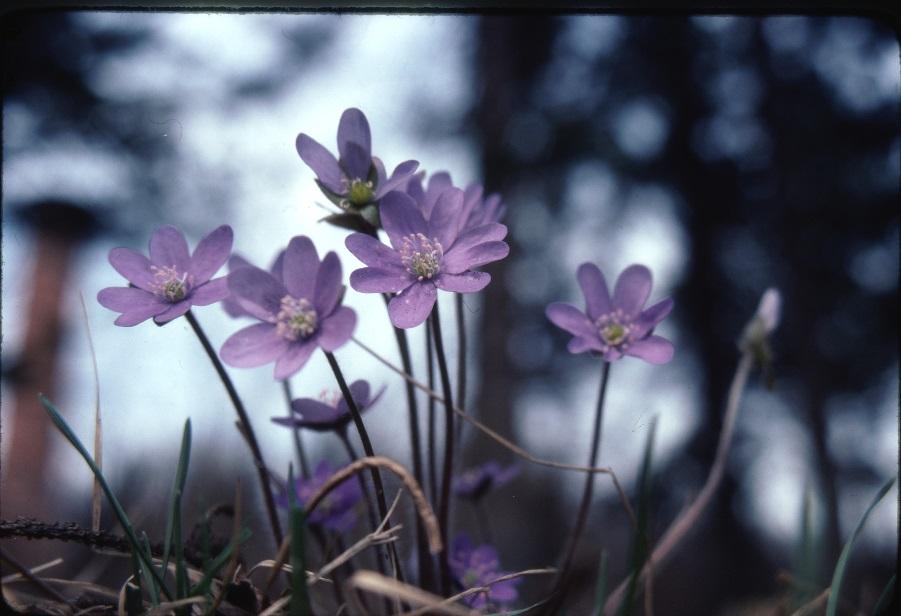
(370,507)
(367,448)
(684,523)
(444,503)
(262,469)
(298,446)
(584,506)
(431,445)
(422,551)
(461,360)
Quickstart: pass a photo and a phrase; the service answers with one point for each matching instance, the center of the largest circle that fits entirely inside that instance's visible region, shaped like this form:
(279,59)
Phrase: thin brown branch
(31,577)
(501,440)
(382,585)
(684,523)
(98,424)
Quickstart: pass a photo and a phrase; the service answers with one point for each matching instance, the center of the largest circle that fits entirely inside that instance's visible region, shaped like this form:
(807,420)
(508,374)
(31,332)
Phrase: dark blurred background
(729,154)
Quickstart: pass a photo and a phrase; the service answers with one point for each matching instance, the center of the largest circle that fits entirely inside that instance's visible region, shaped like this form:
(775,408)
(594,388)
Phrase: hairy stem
(444,503)
(262,470)
(584,506)
(298,445)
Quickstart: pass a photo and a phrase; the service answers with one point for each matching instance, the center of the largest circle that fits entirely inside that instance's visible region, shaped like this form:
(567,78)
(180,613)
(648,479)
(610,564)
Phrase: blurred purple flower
(356,178)
(166,285)
(337,511)
(300,311)
(426,255)
(473,483)
(477,210)
(329,413)
(230,304)
(477,566)
(618,326)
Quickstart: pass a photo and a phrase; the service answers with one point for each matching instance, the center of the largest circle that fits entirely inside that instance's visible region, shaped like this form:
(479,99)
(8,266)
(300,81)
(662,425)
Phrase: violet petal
(373,252)
(445,218)
(456,261)
(376,280)
(211,253)
(127,299)
(353,128)
(134,266)
(210,292)
(294,358)
(322,162)
(648,319)
(580,344)
(301,265)
(168,248)
(571,319)
(327,288)
(314,411)
(337,329)
(173,312)
(594,288)
(257,292)
(253,346)
(401,173)
(412,306)
(400,218)
(466,282)
(632,289)
(653,349)
(355,162)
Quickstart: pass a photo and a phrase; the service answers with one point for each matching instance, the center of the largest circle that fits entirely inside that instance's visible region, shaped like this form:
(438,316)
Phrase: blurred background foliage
(728,153)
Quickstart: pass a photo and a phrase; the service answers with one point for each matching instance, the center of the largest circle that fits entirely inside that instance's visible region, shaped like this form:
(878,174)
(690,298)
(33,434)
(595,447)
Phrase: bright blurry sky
(153,378)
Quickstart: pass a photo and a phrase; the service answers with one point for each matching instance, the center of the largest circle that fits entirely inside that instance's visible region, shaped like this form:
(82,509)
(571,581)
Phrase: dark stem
(367,448)
(262,470)
(298,446)
(423,557)
(444,503)
(432,446)
(484,526)
(585,505)
(461,362)
(370,503)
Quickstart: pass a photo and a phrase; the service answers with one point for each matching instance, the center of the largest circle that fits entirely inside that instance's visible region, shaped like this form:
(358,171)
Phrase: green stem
(431,445)
(262,470)
(461,361)
(444,503)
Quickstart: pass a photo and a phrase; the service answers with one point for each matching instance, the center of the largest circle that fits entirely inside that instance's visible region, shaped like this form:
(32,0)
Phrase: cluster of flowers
(438,236)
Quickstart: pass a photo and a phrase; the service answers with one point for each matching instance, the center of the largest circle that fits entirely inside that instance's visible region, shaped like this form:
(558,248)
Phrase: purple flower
(477,566)
(300,310)
(166,285)
(329,412)
(337,511)
(473,483)
(477,210)
(618,326)
(424,255)
(230,304)
(356,179)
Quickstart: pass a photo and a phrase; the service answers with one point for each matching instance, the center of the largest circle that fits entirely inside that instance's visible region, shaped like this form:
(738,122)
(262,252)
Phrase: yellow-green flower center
(360,192)
(614,333)
(297,318)
(169,284)
(421,256)
(616,330)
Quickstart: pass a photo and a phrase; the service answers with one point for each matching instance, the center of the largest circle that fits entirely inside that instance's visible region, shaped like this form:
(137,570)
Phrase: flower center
(296,319)
(330,397)
(421,256)
(615,330)
(471,578)
(169,284)
(360,192)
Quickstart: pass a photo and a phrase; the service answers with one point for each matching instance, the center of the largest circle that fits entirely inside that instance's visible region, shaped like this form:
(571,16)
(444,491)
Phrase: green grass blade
(885,598)
(150,583)
(300,596)
(600,593)
(640,540)
(839,576)
(213,567)
(130,534)
(806,567)
(173,542)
